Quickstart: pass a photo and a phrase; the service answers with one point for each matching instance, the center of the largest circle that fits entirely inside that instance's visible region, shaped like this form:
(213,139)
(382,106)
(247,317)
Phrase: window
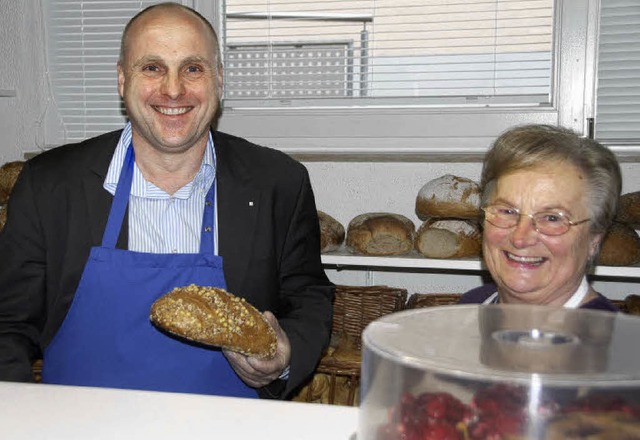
(383,52)
(288,70)
(383,78)
(83,47)
(618,86)
(416,77)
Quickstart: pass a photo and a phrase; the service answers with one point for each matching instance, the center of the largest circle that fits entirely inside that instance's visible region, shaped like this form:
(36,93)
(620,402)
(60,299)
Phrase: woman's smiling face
(530,267)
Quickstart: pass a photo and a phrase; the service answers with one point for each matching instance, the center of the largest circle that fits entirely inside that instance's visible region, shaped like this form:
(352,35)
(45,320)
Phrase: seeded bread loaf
(449,238)
(448,196)
(213,316)
(331,232)
(380,233)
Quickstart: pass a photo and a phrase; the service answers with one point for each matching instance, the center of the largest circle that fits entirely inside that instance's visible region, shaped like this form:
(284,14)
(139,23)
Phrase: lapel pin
(251,203)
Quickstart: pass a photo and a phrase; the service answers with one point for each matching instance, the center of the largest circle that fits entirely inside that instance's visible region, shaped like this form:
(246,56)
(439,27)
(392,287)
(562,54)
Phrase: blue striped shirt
(159,222)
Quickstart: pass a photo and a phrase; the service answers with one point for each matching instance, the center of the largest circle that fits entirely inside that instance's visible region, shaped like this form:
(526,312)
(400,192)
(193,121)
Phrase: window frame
(414,133)
(405,133)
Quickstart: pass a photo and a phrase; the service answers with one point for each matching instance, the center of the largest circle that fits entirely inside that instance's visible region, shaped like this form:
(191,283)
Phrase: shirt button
(175,251)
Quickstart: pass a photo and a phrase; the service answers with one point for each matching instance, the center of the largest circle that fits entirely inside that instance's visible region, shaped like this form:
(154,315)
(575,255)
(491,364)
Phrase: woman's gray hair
(530,146)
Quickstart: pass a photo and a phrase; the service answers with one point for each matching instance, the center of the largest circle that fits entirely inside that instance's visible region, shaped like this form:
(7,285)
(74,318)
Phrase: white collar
(572,303)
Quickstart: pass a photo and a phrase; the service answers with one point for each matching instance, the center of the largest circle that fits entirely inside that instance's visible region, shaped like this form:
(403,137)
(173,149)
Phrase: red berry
(441,431)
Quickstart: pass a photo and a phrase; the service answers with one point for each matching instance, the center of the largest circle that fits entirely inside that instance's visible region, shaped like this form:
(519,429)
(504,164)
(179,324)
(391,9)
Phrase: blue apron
(107,340)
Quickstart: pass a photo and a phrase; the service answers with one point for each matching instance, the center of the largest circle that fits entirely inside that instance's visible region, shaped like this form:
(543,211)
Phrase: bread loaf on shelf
(449,238)
(629,209)
(620,247)
(8,176)
(331,232)
(380,233)
(449,196)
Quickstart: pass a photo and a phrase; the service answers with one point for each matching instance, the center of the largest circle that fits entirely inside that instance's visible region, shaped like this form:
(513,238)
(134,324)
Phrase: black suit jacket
(58,211)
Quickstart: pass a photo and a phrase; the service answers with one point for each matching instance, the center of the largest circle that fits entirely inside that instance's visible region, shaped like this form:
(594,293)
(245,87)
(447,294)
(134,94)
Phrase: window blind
(618,83)
(387,52)
(83,49)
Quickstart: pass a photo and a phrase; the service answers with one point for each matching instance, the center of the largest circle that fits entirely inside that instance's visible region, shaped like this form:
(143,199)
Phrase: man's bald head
(166,8)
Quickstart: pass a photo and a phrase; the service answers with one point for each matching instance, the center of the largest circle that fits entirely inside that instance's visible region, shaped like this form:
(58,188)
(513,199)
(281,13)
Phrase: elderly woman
(548,198)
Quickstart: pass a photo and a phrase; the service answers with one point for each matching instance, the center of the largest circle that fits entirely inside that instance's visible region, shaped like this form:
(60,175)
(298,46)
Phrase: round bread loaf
(8,176)
(449,196)
(380,233)
(620,247)
(213,316)
(331,232)
(449,238)
(629,209)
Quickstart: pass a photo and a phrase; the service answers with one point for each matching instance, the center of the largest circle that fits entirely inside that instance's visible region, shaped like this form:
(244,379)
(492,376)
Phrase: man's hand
(257,372)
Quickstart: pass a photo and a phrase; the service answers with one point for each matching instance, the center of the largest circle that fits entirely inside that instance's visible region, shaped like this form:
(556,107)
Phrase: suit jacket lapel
(238,204)
(97,199)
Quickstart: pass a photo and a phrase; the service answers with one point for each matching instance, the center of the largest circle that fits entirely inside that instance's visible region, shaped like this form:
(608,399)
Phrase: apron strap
(209,234)
(120,201)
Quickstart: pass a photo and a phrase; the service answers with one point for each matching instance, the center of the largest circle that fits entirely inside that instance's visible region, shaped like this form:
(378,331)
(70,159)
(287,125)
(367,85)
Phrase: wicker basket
(333,384)
(418,300)
(355,307)
(620,303)
(37,370)
(337,378)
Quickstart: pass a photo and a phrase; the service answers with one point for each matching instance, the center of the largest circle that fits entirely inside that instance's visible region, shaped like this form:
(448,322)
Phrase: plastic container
(500,372)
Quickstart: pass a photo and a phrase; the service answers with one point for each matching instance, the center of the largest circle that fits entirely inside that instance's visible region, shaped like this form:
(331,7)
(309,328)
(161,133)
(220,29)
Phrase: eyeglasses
(546,222)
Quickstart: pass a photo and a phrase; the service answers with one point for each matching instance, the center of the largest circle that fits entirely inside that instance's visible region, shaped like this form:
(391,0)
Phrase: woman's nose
(524,233)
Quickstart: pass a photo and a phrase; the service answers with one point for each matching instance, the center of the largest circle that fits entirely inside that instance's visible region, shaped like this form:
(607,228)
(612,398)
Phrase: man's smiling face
(169,80)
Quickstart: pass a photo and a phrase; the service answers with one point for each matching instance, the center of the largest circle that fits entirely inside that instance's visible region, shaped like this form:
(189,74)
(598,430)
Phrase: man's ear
(220,79)
(120,80)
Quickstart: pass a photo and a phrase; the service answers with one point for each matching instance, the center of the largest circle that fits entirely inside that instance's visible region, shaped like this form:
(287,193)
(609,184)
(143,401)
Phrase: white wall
(343,189)
(22,59)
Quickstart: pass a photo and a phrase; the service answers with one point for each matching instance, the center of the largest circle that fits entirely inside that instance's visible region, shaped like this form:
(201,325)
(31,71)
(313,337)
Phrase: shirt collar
(572,303)
(140,187)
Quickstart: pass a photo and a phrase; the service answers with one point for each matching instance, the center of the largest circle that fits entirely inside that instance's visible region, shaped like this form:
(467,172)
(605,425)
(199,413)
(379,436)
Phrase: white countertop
(38,411)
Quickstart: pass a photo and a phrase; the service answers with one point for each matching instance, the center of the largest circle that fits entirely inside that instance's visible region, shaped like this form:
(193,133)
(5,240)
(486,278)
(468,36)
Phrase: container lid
(563,346)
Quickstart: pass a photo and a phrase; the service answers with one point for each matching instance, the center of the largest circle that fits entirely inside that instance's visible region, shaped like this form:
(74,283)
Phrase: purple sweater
(480,294)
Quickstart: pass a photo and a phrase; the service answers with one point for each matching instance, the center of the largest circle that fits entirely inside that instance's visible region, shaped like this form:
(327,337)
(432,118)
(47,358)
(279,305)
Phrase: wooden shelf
(342,260)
